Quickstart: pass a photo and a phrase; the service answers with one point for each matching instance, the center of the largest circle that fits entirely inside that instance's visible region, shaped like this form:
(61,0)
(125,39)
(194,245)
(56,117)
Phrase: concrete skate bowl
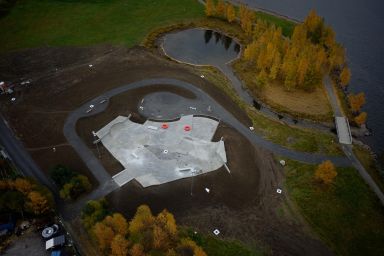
(241,203)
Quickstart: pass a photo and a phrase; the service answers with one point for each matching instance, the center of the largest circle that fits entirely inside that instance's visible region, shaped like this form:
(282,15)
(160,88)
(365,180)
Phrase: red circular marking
(164,126)
(187,128)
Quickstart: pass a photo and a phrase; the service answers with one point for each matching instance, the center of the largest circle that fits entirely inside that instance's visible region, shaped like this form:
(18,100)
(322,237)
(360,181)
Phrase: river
(359,26)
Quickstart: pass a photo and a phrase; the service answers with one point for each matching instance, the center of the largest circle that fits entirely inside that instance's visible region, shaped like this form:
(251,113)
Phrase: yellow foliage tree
(166,220)
(210,8)
(361,118)
(23,185)
(104,236)
(231,13)
(345,76)
(37,203)
(137,250)
(221,9)
(161,239)
(142,218)
(119,246)
(326,172)
(356,101)
(246,19)
(118,224)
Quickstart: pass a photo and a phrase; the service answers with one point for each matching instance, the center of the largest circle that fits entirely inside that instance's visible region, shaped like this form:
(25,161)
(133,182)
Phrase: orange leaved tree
(326,172)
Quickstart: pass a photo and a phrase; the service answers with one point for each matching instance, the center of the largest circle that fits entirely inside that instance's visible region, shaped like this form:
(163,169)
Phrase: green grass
(369,163)
(219,247)
(286,25)
(346,215)
(57,23)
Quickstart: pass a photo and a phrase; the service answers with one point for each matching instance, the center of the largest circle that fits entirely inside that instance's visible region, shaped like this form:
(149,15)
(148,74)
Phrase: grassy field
(366,159)
(294,138)
(55,23)
(287,26)
(215,246)
(67,22)
(346,215)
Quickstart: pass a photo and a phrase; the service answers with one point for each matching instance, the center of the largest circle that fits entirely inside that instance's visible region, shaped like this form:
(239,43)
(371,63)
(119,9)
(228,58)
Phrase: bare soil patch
(243,205)
(61,81)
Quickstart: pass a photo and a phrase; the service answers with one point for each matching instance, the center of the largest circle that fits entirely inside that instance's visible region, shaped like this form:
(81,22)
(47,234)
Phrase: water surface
(359,26)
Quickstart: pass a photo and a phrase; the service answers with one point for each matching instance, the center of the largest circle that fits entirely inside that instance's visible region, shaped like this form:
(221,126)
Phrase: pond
(201,47)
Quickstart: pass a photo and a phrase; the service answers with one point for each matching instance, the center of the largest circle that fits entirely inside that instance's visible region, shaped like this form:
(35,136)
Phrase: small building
(55,242)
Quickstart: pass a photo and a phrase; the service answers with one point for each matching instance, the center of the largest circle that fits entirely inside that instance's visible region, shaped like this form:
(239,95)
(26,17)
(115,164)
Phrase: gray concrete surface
(343,131)
(29,243)
(155,155)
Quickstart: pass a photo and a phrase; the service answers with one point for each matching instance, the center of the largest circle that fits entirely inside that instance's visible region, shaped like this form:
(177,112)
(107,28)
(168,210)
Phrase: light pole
(97,147)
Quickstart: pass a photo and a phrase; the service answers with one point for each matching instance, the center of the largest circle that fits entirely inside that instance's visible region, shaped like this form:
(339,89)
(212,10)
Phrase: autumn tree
(210,8)
(104,236)
(361,118)
(37,203)
(345,76)
(137,250)
(119,246)
(23,185)
(118,224)
(142,218)
(356,101)
(326,172)
(221,9)
(231,13)
(246,19)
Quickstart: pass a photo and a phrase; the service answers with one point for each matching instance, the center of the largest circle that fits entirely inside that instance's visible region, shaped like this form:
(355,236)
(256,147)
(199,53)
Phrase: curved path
(101,102)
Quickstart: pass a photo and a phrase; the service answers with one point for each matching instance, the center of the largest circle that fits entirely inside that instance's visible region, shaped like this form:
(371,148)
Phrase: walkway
(217,110)
(347,149)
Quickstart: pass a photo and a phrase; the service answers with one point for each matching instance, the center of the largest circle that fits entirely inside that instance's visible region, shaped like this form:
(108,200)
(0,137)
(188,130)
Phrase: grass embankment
(278,132)
(369,163)
(287,26)
(58,23)
(346,215)
(215,246)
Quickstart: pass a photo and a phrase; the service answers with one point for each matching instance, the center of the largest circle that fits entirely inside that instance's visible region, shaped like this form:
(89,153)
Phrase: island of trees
(299,61)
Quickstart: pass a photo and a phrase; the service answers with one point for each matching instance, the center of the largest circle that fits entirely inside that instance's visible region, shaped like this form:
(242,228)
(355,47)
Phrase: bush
(71,183)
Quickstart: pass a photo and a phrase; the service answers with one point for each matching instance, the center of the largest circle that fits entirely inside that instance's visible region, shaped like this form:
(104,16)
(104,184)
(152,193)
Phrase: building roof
(55,241)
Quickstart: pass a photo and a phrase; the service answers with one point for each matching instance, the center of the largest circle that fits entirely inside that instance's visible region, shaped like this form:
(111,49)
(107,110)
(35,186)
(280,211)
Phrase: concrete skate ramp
(154,153)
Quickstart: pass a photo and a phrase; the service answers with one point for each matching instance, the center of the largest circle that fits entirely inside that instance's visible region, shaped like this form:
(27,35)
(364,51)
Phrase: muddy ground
(244,204)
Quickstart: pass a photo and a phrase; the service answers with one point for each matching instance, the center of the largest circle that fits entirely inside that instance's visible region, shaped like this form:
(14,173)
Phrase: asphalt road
(21,157)
(217,111)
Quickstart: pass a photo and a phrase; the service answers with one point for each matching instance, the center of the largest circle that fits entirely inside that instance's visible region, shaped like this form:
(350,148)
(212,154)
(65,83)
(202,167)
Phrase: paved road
(217,111)
(21,157)
(347,149)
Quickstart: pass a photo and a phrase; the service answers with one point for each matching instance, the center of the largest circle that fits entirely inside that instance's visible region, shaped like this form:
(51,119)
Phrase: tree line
(22,195)
(144,234)
(298,62)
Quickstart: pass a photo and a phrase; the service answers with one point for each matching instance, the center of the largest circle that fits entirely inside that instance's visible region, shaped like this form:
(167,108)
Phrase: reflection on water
(225,40)
(208,35)
(200,46)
